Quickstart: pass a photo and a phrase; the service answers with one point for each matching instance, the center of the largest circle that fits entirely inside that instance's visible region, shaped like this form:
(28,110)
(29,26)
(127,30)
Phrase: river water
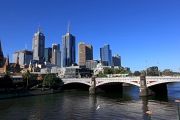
(79,105)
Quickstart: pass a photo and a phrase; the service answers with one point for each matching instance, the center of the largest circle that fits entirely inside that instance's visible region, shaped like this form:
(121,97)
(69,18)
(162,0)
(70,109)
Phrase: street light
(178,101)
(146,68)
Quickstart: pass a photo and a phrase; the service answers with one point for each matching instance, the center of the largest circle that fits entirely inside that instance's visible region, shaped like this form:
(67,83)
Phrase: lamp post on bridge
(146,69)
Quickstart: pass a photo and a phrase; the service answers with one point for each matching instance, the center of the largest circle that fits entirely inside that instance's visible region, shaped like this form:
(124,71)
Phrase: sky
(144,33)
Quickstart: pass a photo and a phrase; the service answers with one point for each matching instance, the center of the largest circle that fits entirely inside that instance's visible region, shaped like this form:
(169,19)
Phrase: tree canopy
(137,73)
(113,71)
(26,75)
(6,81)
(51,81)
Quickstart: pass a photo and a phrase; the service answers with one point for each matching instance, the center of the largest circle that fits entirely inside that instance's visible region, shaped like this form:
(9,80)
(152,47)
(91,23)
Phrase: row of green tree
(166,72)
(113,71)
(49,81)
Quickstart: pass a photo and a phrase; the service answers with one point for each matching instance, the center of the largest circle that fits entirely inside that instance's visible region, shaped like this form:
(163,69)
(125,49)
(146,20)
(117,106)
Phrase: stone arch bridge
(147,84)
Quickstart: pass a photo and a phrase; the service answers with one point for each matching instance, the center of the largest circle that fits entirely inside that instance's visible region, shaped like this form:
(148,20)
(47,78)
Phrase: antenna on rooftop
(68,26)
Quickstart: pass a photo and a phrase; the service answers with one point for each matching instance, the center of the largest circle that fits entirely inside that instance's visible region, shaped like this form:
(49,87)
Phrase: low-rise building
(74,72)
(24,57)
(91,64)
(100,68)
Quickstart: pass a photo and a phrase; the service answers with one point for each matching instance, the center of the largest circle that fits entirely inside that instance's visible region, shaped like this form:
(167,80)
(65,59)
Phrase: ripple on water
(79,105)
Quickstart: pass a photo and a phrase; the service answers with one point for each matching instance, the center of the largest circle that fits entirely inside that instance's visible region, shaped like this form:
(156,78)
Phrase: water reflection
(80,105)
(145,107)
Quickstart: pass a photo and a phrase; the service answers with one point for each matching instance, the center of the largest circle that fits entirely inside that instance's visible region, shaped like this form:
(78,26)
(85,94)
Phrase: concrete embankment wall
(24,93)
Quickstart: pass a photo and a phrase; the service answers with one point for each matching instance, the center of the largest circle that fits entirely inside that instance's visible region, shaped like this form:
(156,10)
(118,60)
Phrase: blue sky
(138,30)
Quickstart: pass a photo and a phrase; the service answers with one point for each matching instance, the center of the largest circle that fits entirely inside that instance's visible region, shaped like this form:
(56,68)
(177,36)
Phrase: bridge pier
(143,89)
(93,89)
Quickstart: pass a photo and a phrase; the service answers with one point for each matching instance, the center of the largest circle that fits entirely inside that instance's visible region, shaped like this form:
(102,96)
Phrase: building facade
(89,52)
(91,64)
(74,72)
(57,57)
(82,54)
(116,60)
(68,49)
(106,55)
(24,57)
(38,44)
(55,47)
(48,54)
(56,54)
(85,53)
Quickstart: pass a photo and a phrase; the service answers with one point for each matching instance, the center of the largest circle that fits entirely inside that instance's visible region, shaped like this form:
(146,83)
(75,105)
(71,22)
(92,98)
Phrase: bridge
(147,84)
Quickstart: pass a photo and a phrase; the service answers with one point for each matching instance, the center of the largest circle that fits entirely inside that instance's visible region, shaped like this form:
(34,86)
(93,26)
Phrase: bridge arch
(86,81)
(66,83)
(101,81)
(100,84)
(75,86)
(161,81)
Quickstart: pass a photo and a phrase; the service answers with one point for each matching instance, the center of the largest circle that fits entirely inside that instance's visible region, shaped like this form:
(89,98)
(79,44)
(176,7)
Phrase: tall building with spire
(1,56)
(68,49)
(38,44)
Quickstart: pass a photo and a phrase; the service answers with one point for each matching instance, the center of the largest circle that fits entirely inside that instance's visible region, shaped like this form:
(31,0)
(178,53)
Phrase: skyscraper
(85,53)
(38,44)
(48,54)
(106,55)
(56,56)
(89,52)
(82,53)
(116,60)
(68,49)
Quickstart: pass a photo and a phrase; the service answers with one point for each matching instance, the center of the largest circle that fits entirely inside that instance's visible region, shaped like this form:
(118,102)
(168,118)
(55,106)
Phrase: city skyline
(138,31)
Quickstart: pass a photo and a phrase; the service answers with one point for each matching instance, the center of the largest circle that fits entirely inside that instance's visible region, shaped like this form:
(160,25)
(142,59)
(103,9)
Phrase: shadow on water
(145,107)
(75,86)
(128,94)
(159,97)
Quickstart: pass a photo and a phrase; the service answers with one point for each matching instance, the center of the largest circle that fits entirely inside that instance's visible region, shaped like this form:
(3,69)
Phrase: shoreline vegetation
(25,93)
(28,85)
(6,94)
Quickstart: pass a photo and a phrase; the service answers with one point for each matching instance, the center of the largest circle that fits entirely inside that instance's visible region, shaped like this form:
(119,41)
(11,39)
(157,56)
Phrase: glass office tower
(68,49)
(106,55)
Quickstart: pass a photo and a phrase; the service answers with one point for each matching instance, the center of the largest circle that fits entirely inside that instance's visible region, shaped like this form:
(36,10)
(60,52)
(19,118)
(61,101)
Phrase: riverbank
(31,92)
